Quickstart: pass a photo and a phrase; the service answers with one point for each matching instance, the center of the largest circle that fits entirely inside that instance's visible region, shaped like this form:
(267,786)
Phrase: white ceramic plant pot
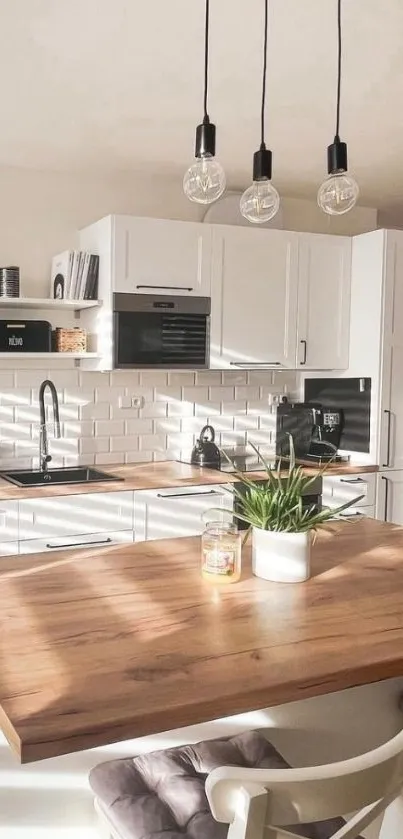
(281,557)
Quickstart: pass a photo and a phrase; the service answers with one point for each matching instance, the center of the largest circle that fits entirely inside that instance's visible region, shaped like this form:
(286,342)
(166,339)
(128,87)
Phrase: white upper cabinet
(323,302)
(254,297)
(159,256)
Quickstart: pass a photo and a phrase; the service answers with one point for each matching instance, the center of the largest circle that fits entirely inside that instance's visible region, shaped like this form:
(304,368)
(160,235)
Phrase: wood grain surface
(163,475)
(100,646)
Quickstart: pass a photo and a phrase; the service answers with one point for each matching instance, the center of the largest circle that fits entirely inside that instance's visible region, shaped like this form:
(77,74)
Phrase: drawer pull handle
(250,364)
(168,287)
(304,344)
(389,415)
(350,515)
(187,494)
(80,544)
(385,515)
(352,481)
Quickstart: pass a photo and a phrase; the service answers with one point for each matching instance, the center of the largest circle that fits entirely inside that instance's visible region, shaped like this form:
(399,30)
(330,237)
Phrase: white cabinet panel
(324,302)
(338,489)
(176,512)
(8,548)
(254,297)
(90,540)
(358,512)
(154,256)
(8,521)
(75,514)
(389,500)
(391,415)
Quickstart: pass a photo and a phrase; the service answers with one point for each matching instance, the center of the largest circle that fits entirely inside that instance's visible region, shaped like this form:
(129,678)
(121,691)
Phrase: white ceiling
(108,85)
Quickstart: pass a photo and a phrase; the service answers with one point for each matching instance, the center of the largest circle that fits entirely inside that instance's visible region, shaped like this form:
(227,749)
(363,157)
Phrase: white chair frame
(260,803)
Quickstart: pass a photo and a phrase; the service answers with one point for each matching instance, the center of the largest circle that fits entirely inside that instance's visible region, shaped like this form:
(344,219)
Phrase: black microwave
(161,331)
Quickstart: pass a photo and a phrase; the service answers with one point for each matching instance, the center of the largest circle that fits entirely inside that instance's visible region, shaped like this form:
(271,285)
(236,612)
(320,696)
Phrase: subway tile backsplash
(98,427)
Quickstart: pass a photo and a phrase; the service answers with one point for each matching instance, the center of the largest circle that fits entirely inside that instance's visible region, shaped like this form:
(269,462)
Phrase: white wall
(40,213)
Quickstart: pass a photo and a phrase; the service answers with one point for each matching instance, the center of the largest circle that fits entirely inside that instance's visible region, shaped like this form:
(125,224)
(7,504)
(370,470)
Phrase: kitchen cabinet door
(391,418)
(168,514)
(8,522)
(254,298)
(323,302)
(338,489)
(71,515)
(389,498)
(159,256)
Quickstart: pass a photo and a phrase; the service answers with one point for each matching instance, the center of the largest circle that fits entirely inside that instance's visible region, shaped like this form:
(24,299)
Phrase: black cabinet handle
(80,544)
(385,515)
(350,515)
(168,287)
(186,494)
(389,415)
(304,358)
(352,481)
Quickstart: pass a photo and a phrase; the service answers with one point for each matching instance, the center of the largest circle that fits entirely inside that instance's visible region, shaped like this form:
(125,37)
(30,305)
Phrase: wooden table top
(101,646)
(163,475)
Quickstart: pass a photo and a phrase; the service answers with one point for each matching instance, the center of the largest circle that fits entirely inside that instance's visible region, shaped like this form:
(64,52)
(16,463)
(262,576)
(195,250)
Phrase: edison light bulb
(204,181)
(260,202)
(338,194)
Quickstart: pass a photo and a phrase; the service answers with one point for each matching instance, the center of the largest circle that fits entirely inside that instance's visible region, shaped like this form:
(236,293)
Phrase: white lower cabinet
(170,513)
(338,489)
(389,498)
(8,528)
(8,548)
(73,515)
(90,540)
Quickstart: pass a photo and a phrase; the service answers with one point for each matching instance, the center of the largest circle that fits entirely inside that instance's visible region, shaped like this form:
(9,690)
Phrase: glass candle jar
(221,552)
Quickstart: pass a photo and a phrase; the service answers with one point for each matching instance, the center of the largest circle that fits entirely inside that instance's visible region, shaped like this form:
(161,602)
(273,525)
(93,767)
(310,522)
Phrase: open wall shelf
(45,303)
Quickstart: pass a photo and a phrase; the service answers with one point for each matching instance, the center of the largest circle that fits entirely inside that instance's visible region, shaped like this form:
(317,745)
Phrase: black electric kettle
(205,452)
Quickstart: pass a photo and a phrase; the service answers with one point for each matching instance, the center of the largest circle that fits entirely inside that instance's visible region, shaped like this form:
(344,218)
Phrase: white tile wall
(97,429)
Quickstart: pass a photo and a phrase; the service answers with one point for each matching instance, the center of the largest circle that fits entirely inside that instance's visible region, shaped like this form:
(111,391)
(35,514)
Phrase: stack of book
(75,276)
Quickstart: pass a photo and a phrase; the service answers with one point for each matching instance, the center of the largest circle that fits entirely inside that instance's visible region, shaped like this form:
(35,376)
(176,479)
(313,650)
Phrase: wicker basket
(70,340)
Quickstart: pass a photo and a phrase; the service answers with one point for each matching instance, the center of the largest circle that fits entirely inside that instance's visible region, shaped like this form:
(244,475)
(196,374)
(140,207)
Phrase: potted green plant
(282,529)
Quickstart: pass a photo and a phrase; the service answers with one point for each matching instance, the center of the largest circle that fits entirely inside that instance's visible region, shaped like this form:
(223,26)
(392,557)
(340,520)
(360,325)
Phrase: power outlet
(131,402)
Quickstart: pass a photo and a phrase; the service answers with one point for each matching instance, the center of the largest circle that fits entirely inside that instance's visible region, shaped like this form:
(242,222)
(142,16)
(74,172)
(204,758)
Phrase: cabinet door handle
(80,544)
(168,287)
(349,515)
(304,344)
(187,494)
(256,364)
(385,515)
(352,481)
(389,415)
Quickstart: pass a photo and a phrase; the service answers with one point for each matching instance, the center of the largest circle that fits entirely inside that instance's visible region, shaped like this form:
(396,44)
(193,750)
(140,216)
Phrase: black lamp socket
(205,140)
(337,158)
(262,161)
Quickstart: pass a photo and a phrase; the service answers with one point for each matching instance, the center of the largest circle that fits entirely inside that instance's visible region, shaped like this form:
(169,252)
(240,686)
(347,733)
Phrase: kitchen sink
(69,475)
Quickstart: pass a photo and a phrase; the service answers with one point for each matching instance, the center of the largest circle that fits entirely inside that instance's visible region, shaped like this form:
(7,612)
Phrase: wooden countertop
(100,646)
(163,475)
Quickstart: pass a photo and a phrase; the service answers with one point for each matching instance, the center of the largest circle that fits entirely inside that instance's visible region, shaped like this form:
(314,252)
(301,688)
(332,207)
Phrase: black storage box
(25,336)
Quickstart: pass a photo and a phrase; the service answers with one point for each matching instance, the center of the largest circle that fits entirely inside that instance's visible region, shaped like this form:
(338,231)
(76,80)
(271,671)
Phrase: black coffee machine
(316,431)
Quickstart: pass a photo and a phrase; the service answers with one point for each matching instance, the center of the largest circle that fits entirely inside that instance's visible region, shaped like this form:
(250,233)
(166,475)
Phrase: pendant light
(260,202)
(339,192)
(204,181)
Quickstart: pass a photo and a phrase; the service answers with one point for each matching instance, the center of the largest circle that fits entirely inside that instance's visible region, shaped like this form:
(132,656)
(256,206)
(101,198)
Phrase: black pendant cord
(206,118)
(263,106)
(337,135)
